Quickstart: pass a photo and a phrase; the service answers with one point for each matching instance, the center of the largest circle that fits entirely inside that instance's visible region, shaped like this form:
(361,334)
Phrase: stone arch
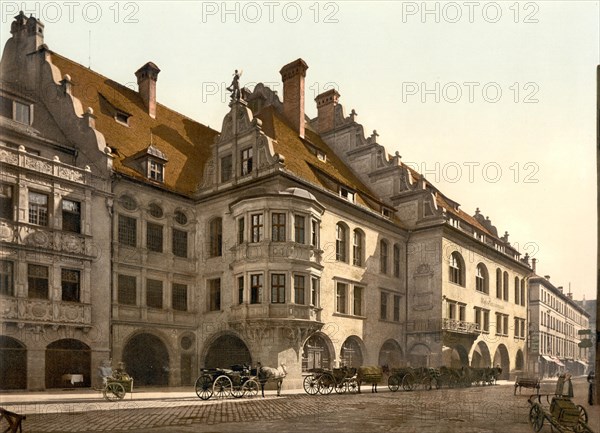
(481,356)
(418,356)
(519,360)
(317,352)
(67,356)
(391,354)
(147,359)
(13,363)
(224,350)
(502,359)
(352,352)
(456,356)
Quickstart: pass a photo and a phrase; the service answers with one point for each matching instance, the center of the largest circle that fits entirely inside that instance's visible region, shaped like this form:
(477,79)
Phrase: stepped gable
(185,143)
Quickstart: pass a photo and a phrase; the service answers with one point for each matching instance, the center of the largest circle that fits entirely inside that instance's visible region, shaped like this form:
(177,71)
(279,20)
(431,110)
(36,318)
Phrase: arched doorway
(501,359)
(13,364)
(419,356)
(455,357)
(519,361)
(390,354)
(67,356)
(316,353)
(351,353)
(225,351)
(481,356)
(147,360)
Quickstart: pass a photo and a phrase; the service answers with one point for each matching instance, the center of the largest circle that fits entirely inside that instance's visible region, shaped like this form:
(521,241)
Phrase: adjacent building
(130,231)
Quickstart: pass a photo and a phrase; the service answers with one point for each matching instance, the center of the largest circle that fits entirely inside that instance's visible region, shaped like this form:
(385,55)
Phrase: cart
(560,412)
(239,381)
(116,388)
(322,381)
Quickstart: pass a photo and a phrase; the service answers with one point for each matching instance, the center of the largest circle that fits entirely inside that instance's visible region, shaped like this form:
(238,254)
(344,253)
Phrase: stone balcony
(44,312)
(40,237)
(459,326)
(275,251)
(245,312)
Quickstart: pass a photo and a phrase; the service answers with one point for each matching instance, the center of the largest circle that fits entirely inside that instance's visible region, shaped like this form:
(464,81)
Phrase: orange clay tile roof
(304,163)
(185,142)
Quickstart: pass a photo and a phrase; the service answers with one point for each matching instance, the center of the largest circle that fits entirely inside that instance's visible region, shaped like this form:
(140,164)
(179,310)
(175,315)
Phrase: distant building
(555,322)
(591,307)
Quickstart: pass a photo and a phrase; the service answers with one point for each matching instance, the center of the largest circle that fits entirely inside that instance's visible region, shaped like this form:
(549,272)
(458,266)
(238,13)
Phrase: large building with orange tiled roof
(279,239)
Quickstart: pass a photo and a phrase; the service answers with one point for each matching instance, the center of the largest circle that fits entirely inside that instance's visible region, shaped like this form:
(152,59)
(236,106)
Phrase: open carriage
(558,410)
(239,381)
(322,381)
(412,378)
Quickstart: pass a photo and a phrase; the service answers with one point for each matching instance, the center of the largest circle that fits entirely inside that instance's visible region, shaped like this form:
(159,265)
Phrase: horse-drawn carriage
(239,381)
(324,381)
(412,378)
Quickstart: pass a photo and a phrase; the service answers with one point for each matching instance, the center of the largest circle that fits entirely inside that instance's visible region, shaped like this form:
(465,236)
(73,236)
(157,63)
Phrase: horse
(266,374)
(372,375)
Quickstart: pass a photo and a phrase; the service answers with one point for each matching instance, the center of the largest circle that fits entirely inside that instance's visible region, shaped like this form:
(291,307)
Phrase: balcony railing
(44,311)
(275,311)
(276,251)
(460,326)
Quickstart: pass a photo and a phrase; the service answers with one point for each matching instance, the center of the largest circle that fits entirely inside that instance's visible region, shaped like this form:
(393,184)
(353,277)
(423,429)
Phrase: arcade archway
(147,360)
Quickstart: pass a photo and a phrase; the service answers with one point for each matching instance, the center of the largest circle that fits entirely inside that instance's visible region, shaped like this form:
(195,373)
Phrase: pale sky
(495,102)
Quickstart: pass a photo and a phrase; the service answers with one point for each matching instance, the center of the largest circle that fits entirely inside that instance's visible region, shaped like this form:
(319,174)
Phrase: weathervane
(234,88)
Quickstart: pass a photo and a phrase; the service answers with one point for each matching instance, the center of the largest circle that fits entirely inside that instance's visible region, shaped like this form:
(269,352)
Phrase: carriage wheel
(204,387)
(250,388)
(408,382)
(341,387)
(114,391)
(222,387)
(393,383)
(326,384)
(583,416)
(311,385)
(353,386)
(237,391)
(536,417)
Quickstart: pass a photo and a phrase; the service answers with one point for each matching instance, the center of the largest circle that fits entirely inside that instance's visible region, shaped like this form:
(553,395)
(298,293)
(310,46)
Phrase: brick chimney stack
(533,263)
(326,103)
(28,32)
(292,76)
(146,79)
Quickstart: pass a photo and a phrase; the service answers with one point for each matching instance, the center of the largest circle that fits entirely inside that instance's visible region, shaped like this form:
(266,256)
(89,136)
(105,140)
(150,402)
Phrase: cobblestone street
(470,410)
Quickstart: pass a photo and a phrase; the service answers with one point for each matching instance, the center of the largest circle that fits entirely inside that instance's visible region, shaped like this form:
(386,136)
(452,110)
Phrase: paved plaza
(468,410)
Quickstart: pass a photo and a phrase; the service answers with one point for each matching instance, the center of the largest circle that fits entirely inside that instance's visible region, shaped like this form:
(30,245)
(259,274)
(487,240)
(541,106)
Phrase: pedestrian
(591,378)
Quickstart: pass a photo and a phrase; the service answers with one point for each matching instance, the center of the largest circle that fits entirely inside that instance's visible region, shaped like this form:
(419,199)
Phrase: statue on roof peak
(234,88)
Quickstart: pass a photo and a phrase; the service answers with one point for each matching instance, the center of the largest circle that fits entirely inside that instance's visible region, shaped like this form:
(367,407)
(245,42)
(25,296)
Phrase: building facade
(278,239)
(555,324)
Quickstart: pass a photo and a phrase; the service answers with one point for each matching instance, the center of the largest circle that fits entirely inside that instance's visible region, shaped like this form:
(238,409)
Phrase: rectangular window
(37,281)
(256,285)
(396,308)
(240,290)
(241,228)
(477,313)
(498,323)
(6,107)
(226,168)
(299,229)
(127,231)
(22,113)
(71,216)
(341,293)
(6,202)
(314,233)
(180,243)
(396,261)
(70,283)
(257,227)
(154,237)
(278,288)
(505,324)
(214,288)
(314,292)
(246,161)
(154,293)
(179,297)
(462,311)
(7,282)
(127,290)
(358,301)
(156,170)
(38,208)
(383,306)
(486,321)
(523,292)
(451,311)
(278,227)
(517,328)
(299,290)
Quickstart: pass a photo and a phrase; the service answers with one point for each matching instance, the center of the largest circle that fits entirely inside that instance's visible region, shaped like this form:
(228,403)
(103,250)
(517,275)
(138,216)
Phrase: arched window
(522,291)
(383,257)
(396,260)
(517,291)
(482,279)
(498,283)
(505,286)
(457,269)
(341,243)
(216,237)
(358,247)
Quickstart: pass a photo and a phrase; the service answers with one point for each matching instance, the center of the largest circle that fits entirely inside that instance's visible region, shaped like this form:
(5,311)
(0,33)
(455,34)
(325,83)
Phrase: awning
(547,358)
(558,361)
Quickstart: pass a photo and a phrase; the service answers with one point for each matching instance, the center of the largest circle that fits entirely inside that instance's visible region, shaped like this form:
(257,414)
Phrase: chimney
(292,76)
(560,289)
(27,32)
(326,103)
(533,263)
(547,277)
(146,78)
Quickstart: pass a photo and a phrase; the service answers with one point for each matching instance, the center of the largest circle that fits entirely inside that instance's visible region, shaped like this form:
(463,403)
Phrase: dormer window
(387,213)
(122,118)
(15,110)
(347,194)
(321,156)
(156,170)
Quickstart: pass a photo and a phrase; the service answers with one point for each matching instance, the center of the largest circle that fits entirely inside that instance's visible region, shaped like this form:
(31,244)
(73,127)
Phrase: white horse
(266,374)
